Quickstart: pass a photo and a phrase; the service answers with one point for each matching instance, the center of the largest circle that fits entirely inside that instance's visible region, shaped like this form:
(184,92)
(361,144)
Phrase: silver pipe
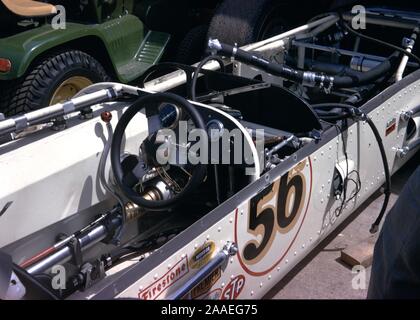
(290,33)
(228,251)
(341,51)
(65,254)
(280,145)
(386,21)
(20,122)
(404,61)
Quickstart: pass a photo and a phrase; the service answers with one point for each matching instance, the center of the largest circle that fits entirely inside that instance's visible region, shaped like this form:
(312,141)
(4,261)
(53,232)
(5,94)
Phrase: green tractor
(48,54)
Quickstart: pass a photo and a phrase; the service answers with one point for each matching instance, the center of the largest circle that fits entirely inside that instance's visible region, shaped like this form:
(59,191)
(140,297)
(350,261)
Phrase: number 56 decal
(266,232)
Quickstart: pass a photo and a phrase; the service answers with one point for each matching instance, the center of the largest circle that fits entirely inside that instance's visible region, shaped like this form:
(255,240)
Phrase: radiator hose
(307,78)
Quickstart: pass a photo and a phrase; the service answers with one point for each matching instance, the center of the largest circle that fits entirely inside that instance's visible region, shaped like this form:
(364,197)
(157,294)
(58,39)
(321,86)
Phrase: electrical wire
(387,191)
(355,113)
(198,71)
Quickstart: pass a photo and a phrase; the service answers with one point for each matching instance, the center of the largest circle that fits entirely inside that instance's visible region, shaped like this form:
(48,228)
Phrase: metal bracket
(59,124)
(76,251)
(231,92)
(86,113)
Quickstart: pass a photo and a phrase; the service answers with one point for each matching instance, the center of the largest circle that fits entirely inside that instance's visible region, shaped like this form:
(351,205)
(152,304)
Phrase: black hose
(363,78)
(330,114)
(375,226)
(198,71)
(331,105)
(309,78)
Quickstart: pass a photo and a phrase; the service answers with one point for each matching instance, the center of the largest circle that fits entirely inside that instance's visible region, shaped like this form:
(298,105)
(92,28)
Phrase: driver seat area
(29,8)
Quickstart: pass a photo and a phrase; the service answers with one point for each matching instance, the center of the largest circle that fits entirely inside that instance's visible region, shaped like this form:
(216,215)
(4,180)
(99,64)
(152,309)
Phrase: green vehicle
(43,62)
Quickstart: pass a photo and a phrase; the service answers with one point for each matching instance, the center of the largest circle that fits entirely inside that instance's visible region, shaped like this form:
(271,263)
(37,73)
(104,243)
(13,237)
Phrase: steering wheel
(148,161)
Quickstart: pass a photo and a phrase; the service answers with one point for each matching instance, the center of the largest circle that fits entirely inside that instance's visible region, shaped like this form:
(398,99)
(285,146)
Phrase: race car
(212,181)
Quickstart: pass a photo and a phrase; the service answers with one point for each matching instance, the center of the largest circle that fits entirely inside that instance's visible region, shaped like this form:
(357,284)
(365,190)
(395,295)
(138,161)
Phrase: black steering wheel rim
(199,169)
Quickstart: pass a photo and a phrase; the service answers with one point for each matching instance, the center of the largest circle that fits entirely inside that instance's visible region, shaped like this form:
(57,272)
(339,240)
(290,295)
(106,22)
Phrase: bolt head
(106,116)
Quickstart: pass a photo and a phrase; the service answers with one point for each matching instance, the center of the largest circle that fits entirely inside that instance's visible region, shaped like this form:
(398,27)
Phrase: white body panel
(64,166)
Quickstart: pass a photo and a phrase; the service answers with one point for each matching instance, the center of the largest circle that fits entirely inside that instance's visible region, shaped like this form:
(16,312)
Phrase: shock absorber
(409,46)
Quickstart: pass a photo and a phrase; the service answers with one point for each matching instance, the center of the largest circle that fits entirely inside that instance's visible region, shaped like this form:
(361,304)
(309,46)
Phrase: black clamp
(76,252)
(86,113)
(358,115)
(59,124)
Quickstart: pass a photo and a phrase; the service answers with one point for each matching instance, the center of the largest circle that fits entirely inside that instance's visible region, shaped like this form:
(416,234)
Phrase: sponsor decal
(153,291)
(233,288)
(391,126)
(202,255)
(204,286)
(267,230)
(212,295)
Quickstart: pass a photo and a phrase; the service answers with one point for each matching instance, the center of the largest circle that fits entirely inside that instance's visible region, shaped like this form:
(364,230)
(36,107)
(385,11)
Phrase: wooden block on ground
(360,253)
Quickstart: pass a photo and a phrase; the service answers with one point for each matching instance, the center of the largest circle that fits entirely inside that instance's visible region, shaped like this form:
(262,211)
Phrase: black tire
(191,48)
(35,90)
(244,22)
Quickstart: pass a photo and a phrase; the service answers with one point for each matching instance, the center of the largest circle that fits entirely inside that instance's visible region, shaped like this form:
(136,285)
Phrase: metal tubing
(343,52)
(65,254)
(24,121)
(386,21)
(290,33)
(204,272)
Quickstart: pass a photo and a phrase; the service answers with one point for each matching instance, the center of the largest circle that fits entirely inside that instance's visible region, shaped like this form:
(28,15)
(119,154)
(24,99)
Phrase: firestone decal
(233,288)
(273,220)
(153,291)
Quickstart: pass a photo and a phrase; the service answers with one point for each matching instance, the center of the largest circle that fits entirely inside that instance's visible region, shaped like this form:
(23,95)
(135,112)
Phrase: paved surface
(322,275)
